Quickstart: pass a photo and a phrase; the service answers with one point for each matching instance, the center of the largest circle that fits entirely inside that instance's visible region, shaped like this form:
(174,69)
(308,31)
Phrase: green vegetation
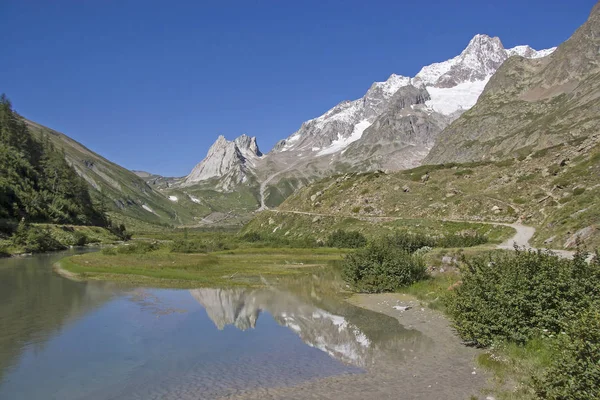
(33,238)
(346,239)
(553,191)
(38,185)
(395,261)
(158,266)
(36,182)
(298,226)
(382,267)
(518,296)
(574,372)
(535,313)
(272,240)
(133,248)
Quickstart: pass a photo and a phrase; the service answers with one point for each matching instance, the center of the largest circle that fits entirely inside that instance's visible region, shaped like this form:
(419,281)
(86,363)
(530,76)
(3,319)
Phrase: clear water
(66,340)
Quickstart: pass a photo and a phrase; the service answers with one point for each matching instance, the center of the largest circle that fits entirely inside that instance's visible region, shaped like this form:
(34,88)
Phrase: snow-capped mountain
(386,128)
(232,162)
(344,123)
(453,86)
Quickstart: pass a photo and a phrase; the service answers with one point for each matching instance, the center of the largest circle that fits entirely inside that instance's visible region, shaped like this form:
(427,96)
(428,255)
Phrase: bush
(346,240)
(465,240)
(464,172)
(78,239)
(575,372)
(518,296)
(120,231)
(380,267)
(262,240)
(505,163)
(34,239)
(252,237)
(409,242)
(554,169)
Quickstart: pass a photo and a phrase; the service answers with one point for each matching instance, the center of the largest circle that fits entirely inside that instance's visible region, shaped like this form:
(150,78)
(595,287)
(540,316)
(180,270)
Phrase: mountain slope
(531,104)
(36,183)
(121,190)
(554,190)
(394,125)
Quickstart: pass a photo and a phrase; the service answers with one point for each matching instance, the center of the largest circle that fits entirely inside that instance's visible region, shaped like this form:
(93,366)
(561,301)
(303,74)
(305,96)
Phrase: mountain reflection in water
(97,341)
(347,333)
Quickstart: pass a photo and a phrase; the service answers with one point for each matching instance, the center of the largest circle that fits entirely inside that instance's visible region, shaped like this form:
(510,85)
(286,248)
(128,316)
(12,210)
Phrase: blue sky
(151,84)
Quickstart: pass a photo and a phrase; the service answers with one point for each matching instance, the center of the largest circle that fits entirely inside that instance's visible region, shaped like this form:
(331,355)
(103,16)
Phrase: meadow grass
(239,267)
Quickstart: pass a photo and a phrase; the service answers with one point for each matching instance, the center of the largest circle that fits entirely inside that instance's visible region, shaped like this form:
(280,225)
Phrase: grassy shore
(240,267)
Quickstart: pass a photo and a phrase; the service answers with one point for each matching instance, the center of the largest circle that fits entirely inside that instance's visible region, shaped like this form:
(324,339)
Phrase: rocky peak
(408,96)
(482,44)
(247,145)
(482,57)
(232,160)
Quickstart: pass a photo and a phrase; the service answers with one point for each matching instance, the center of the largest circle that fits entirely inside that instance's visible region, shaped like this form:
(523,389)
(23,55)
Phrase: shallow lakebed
(62,339)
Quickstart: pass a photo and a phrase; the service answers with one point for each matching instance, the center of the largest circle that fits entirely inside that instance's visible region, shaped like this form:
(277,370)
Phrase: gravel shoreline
(444,369)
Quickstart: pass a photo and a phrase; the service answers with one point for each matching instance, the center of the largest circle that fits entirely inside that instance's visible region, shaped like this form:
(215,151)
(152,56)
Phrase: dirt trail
(521,238)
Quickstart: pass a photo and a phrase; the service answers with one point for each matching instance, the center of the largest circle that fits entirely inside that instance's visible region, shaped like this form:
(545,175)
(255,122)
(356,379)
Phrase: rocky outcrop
(230,162)
(402,135)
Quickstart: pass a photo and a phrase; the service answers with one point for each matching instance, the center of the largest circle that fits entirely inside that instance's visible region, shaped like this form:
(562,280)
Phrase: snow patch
(341,143)
(527,51)
(173,198)
(430,74)
(194,199)
(544,53)
(145,207)
(460,97)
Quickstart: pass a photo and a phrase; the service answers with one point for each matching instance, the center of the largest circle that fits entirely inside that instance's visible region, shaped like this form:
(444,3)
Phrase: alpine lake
(296,338)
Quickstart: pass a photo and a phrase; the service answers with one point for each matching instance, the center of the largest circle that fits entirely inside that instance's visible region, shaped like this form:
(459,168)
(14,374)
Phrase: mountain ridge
(344,137)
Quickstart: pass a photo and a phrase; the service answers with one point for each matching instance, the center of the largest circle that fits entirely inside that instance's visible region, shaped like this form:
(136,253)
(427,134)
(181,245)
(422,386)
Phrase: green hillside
(554,190)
